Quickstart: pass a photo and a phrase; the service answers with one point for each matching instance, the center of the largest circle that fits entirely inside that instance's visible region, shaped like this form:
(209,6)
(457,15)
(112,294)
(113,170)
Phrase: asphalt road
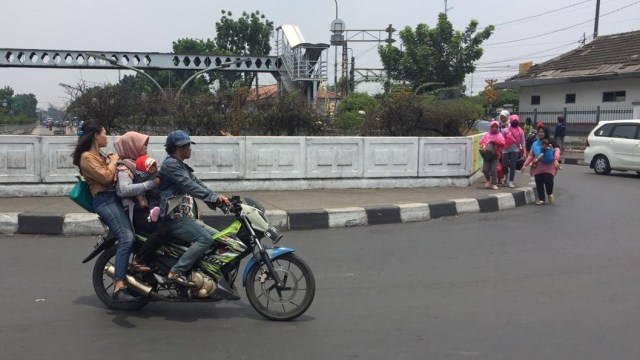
(539,282)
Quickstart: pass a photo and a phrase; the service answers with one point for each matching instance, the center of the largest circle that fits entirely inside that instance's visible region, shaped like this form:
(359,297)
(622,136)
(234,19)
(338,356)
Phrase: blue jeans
(195,231)
(108,206)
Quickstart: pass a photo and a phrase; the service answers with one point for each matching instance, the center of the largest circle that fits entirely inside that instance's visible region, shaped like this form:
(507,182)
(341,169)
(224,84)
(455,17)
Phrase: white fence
(42,165)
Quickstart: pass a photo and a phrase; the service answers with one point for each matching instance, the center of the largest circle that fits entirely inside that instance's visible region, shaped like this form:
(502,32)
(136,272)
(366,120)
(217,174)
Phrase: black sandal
(180,280)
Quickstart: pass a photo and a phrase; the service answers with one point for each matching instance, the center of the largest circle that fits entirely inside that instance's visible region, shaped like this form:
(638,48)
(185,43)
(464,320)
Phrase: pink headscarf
(495,124)
(131,145)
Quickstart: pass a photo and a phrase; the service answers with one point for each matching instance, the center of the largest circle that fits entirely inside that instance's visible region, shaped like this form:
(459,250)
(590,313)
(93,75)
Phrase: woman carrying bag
(490,145)
(513,148)
(99,171)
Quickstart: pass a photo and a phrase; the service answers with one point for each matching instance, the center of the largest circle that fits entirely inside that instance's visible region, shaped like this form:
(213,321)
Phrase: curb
(573,161)
(78,224)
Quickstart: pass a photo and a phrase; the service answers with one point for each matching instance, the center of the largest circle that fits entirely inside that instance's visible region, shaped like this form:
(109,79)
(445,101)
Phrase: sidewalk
(295,210)
(289,210)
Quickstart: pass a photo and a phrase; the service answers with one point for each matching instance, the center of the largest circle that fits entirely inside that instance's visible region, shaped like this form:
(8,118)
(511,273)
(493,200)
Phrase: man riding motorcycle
(178,185)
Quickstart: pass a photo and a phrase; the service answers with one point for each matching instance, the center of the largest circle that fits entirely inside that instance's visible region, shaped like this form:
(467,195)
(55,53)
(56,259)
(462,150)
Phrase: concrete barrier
(33,165)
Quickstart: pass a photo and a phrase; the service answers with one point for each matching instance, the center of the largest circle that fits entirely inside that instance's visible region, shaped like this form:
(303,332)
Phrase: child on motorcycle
(147,169)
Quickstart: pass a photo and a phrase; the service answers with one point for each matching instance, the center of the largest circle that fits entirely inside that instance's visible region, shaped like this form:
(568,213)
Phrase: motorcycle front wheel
(103,284)
(292,299)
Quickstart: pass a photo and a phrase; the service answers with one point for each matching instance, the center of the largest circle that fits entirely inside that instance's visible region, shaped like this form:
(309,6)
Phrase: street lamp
(221,66)
(116,63)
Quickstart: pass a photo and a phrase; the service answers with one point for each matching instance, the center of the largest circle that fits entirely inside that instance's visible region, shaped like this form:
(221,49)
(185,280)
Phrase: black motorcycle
(278,284)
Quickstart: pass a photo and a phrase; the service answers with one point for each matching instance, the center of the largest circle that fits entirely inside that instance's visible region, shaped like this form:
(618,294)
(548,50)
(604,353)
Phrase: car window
(604,130)
(625,131)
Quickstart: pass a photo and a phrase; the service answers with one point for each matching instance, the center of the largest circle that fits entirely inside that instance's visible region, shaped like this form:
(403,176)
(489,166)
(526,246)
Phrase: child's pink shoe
(154,214)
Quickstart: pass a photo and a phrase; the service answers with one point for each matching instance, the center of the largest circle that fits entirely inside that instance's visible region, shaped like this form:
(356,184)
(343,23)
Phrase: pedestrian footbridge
(296,65)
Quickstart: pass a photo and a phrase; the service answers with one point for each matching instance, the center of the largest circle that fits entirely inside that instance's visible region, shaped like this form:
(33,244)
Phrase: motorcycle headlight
(273,234)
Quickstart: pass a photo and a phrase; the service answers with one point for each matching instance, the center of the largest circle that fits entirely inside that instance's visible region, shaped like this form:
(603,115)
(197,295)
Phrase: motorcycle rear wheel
(290,302)
(103,284)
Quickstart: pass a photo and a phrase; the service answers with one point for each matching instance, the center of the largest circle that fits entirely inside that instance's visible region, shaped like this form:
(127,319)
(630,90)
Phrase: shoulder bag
(81,195)
(488,153)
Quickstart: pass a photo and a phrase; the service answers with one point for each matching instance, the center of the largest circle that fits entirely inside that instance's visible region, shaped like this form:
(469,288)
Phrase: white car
(614,145)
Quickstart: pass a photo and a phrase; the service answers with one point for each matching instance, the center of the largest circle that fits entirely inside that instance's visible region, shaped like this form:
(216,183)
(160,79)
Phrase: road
(540,282)
(43,130)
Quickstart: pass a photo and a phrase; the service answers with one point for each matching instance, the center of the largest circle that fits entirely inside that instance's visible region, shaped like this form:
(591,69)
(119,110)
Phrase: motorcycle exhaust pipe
(139,287)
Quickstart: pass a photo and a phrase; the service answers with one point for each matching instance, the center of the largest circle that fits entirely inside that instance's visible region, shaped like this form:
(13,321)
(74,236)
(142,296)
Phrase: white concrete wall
(262,163)
(587,94)
(20,158)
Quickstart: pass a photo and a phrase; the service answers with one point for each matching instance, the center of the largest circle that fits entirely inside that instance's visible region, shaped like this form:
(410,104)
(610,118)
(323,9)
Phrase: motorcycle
(278,284)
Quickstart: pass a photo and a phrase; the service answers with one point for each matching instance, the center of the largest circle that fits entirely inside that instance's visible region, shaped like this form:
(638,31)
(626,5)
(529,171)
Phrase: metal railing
(580,121)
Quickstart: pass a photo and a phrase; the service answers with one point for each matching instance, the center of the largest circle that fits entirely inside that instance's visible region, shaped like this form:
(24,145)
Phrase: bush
(403,113)
(16,119)
(288,115)
(353,110)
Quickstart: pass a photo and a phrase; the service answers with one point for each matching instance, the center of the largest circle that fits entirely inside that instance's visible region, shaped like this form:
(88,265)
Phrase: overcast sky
(152,25)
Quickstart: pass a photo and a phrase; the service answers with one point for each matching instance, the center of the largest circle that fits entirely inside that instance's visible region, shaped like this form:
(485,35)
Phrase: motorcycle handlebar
(233,208)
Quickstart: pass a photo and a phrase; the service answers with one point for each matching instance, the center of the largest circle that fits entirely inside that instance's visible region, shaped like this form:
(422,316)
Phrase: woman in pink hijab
(130,184)
(490,167)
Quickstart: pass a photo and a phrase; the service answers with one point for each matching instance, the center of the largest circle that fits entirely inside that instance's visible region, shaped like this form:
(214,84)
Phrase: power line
(544,13)
(527,55)
(534,44)
(565,28)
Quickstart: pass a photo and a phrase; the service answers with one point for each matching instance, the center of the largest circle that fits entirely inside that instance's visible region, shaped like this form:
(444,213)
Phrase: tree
(287,115)
(432,58)
(404,113)
(26,104)
(503,96)
(6,95)
(353,109)
(112,105)
(249,35)
(140,84)
(54,112)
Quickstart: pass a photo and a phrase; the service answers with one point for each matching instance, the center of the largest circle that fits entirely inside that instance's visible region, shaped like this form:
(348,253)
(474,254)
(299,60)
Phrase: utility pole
(595,25)
(446,8)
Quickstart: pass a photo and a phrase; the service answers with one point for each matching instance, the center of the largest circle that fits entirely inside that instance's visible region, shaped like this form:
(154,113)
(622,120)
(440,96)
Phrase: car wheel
(601,165)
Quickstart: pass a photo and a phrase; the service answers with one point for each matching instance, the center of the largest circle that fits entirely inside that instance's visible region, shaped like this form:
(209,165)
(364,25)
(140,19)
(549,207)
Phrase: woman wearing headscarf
(513,148)
(503,118)
(130,147)
(489,167)
(544,173)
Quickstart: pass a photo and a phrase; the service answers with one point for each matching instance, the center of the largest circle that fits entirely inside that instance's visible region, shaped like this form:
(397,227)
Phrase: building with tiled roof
(325,99)
(604,72)
(271,91)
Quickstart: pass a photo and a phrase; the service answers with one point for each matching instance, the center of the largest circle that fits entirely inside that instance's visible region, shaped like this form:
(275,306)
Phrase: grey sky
(152,25)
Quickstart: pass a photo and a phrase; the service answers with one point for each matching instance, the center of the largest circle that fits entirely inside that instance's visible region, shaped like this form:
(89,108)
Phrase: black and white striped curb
(88,224)
(574,161)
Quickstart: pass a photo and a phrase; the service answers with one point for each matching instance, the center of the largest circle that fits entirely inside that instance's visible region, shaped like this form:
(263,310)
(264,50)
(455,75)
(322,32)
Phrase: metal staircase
(305,64)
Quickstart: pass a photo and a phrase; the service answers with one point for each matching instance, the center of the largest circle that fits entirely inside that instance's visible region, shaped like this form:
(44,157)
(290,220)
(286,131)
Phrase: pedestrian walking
(503,118)
(530,134)
(558,135)
(513,148)
(491,144)
(543,173)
